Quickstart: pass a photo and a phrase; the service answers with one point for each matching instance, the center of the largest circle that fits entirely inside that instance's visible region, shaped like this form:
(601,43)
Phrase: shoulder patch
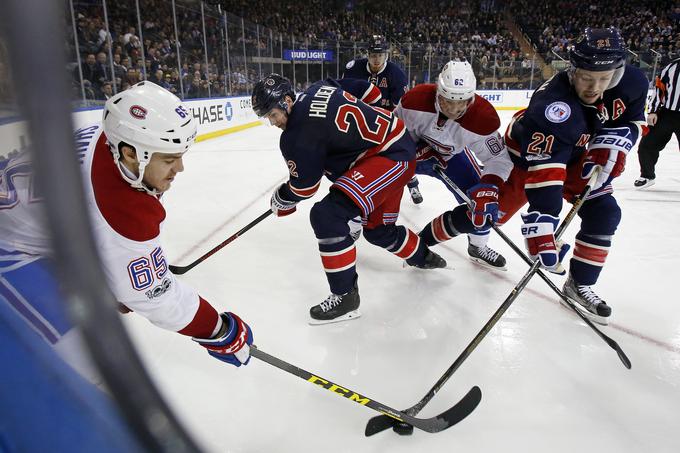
(350,65)
(558,112)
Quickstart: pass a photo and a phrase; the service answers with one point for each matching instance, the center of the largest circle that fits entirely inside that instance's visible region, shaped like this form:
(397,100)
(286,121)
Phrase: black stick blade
(378,424)
(432,425)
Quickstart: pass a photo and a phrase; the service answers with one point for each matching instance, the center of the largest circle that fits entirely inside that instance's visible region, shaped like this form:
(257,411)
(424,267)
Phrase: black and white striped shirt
(667,93)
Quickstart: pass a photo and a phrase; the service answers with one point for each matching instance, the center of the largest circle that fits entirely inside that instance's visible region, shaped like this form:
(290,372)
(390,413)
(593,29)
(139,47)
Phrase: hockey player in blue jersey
(591,114)
(367,154)
(389,78)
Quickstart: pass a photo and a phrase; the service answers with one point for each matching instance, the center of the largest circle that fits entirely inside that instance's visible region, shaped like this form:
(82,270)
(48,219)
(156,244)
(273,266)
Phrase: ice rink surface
(549,383)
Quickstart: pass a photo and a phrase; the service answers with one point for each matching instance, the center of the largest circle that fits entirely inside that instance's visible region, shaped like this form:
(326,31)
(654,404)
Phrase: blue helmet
(598,49)
(378,44)
(271,92)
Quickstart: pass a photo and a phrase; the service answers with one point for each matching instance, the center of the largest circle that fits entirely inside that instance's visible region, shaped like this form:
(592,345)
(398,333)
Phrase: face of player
(376,60)
(278,117)
(159,172)
(162,169)
(453,109)
(590,85)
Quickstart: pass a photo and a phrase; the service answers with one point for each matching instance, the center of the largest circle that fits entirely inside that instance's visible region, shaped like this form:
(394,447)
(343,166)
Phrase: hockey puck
(403,429)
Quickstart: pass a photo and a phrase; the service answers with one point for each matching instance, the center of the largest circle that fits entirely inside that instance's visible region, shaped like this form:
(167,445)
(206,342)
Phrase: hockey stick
(381,422)
(179,270)
(613,344)
(431,425)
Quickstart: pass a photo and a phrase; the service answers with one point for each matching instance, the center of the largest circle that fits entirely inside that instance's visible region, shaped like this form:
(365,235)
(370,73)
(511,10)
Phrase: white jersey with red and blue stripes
(475,132)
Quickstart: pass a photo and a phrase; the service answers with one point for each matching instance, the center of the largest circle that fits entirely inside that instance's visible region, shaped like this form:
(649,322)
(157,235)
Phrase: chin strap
(127,175)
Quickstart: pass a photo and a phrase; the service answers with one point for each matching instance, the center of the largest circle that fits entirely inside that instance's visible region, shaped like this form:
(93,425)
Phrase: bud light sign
(310,55)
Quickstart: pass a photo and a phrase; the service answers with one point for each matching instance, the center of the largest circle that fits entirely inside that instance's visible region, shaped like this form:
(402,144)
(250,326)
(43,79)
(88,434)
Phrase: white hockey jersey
(22,217)
(477,130)
(126,224)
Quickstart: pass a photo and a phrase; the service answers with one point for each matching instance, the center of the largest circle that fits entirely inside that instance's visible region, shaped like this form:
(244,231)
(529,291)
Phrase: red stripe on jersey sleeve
(372,95)
(307,192)
(204,323)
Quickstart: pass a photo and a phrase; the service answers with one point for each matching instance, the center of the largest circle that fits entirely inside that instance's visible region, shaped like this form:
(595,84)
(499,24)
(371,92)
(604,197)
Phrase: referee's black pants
(667,123)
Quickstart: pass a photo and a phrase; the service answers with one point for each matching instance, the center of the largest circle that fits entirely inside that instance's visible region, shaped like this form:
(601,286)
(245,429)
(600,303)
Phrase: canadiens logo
(558,112)
(137,111)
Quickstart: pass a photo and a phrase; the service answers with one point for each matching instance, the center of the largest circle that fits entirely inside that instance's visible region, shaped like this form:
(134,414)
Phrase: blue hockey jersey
(554,130)
(391,80)
(329,130)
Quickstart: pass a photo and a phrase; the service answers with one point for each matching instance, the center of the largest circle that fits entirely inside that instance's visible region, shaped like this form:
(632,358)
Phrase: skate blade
(481,262)
(346,317)
(597,319)
(405,265)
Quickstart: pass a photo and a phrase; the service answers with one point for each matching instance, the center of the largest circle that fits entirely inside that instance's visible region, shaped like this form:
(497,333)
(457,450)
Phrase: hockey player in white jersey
(128,162)
(451,125)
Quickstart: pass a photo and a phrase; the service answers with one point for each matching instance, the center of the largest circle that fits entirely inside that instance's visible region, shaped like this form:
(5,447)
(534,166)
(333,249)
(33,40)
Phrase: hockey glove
(484,209)
(425,152)
(281,207)
(539,236)
(233,346)
(607,149)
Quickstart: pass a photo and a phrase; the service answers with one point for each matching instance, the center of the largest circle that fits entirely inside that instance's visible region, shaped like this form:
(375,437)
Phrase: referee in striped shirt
(663,119)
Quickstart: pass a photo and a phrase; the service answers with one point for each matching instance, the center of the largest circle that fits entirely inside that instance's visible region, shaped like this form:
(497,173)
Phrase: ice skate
(487,257)
(432,261)
(336,308)
(589,303)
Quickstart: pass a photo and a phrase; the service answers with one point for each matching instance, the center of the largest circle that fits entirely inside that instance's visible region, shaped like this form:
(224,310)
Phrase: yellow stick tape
(226,131)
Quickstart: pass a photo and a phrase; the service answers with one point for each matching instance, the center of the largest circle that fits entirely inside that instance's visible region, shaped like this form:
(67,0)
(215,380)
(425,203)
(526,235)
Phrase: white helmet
(457,81)
(151,120)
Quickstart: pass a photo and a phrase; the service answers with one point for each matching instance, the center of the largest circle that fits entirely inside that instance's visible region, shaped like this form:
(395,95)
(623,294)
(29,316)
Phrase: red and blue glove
(539,236)
(608,149)
(280,206)
(484,209)
(233,346)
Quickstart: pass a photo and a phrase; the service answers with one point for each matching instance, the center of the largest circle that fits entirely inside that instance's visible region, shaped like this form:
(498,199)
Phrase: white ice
(549,383)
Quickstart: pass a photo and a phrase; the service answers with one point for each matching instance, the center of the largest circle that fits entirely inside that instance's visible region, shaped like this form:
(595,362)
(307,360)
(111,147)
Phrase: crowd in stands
(648,26)
(424,35)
